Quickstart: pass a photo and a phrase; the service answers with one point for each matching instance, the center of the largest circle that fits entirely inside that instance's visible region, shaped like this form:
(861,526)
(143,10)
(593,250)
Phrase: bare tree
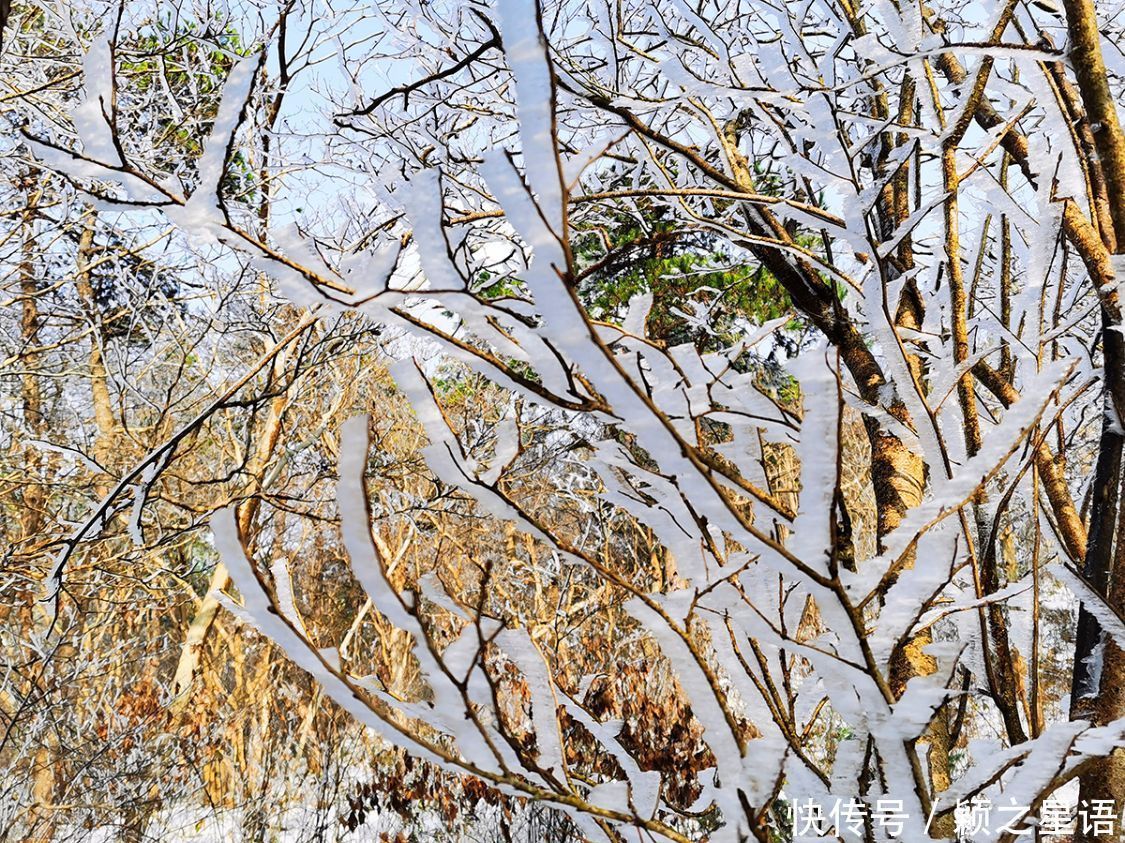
(936,192)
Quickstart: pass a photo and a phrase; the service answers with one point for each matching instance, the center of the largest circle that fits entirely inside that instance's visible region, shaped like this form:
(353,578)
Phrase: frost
(1110,622)
(527,55)
(93,117)
(204,212)
(472,220)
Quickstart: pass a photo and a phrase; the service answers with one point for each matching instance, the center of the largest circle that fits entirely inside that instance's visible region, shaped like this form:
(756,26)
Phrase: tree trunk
(33,517)
(1104,567)
(104,420)
(192,650)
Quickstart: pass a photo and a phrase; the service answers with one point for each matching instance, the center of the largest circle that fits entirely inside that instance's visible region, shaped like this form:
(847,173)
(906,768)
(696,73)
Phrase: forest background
(527,421)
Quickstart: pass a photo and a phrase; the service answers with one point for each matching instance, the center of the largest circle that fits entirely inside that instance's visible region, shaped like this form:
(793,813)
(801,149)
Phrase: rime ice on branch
(933,224)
